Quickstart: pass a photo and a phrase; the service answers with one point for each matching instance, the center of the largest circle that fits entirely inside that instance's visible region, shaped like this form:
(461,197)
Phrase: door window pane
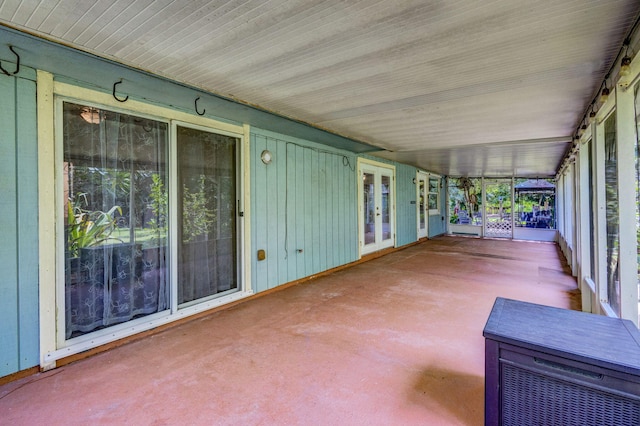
(368,191)
(421,203)
(207,255)
(433,195)
(115,217)
(611,193)
(386,213)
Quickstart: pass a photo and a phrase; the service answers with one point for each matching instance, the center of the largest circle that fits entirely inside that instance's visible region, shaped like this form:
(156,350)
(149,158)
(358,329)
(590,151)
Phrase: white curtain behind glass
(115,219)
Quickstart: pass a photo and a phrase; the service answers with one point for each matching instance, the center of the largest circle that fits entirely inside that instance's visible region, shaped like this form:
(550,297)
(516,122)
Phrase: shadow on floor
(461,395)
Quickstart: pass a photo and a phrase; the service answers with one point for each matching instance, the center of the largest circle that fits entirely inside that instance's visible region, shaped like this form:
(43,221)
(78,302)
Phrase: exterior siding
(303,209)
(19,223)
(437,225)
(406,210)
(303,205)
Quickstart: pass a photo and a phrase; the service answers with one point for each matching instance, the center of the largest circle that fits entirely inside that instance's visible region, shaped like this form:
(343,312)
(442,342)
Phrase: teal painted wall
(303,205)
(303,209)
(19,327)
(406,210)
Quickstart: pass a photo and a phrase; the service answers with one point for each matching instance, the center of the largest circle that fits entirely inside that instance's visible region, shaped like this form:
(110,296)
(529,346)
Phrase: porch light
(90,115)
(625,66)
(266,156)
(604,95)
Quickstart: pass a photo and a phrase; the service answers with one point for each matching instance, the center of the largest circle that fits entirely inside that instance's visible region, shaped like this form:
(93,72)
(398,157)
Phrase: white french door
(376,207)
(422,207)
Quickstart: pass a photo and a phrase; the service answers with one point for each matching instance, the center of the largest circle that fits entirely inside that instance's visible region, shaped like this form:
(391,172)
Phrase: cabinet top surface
(609,342)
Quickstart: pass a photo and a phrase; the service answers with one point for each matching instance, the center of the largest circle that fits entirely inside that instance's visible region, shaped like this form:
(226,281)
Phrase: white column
(46,219)
(600,215)
(583,220)
(626,136)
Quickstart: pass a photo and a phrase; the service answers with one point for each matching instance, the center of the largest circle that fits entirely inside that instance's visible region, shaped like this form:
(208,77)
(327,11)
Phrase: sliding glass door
(207,243)
(115,217)
(147,230)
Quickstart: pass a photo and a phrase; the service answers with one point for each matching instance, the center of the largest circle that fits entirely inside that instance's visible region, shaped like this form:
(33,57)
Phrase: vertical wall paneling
(406,213)
(281,254)
(9,338)
(19,223)
(271,223)
(298,206)
(336,234)
(27,189)
(322,213)
(303,209)
(258,186)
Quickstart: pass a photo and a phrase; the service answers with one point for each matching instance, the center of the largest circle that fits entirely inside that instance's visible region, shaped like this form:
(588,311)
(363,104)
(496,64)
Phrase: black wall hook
(114,92)
(17,63)
(196,104)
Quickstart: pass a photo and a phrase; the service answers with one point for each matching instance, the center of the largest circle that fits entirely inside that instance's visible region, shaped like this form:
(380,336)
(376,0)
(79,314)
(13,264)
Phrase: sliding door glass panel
(115,217)
(207,238)
(613,229)
(369,211)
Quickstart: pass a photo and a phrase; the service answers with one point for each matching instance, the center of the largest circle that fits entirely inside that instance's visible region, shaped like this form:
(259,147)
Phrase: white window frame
(53,345)
(438,180)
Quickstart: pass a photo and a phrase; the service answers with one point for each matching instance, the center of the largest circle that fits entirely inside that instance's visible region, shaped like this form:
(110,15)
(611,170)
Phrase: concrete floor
(394,341)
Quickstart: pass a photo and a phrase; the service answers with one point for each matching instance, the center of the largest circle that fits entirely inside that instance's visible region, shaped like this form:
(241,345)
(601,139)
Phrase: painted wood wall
(437,224)
(303,205)
(406,208)
(303,209)
(18,222)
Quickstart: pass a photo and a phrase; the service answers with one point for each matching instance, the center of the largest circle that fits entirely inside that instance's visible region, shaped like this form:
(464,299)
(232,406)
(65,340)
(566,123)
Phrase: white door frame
(422,206)
(378,170)
(485,216)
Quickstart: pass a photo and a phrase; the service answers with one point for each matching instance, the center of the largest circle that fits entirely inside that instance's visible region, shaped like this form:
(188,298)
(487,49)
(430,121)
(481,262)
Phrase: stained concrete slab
(397,340)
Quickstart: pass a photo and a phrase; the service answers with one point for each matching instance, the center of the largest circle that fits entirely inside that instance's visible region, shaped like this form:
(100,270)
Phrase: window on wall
(433,197)
(612,215)
(118,197)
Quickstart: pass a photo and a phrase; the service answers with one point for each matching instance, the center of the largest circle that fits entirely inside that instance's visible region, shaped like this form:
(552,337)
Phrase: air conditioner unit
(551,366)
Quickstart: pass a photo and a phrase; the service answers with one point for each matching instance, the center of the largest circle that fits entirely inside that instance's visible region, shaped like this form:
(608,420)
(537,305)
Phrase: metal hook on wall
(196,104)
(114,92)
(17,63)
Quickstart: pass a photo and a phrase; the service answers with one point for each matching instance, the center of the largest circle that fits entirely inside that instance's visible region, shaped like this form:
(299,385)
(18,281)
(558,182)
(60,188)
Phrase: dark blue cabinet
(551,366)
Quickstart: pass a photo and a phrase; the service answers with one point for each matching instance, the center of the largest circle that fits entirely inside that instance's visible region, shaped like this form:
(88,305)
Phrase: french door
(422,189)
(377,228)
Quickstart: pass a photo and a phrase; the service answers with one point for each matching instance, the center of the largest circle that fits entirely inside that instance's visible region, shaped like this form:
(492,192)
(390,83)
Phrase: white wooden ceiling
(458,87)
